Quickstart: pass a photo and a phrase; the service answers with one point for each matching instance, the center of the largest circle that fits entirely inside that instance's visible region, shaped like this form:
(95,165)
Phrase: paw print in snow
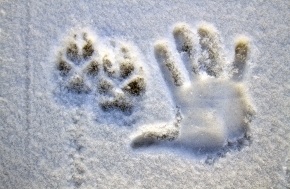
(112,73)
(213,111)
(75,62)
(121,82)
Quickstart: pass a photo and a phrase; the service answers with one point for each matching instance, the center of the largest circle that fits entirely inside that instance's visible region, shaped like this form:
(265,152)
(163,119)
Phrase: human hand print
(213,111)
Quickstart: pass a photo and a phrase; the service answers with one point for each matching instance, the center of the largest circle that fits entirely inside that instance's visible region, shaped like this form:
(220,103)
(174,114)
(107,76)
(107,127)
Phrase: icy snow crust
(122,94)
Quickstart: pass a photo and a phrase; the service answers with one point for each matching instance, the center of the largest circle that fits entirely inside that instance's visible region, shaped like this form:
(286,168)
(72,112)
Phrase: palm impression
(213,111)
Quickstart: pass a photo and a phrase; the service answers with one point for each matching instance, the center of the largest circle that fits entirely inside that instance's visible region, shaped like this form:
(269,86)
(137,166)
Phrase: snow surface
(55,137)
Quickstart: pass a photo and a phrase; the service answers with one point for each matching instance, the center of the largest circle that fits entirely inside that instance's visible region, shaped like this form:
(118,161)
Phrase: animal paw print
(121,82)
(213,111)
(113,75)
(76,62)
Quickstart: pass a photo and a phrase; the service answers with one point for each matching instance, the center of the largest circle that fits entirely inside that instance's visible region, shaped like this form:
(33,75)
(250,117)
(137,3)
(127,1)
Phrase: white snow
(52,138)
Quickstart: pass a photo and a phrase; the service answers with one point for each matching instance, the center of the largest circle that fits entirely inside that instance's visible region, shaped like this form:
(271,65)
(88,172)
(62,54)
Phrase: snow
(54,137)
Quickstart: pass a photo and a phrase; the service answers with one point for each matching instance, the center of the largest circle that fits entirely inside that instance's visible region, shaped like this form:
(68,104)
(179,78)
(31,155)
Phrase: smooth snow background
(35,143)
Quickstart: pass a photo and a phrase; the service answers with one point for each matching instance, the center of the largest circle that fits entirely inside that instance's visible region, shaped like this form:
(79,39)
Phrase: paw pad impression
(111,72)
